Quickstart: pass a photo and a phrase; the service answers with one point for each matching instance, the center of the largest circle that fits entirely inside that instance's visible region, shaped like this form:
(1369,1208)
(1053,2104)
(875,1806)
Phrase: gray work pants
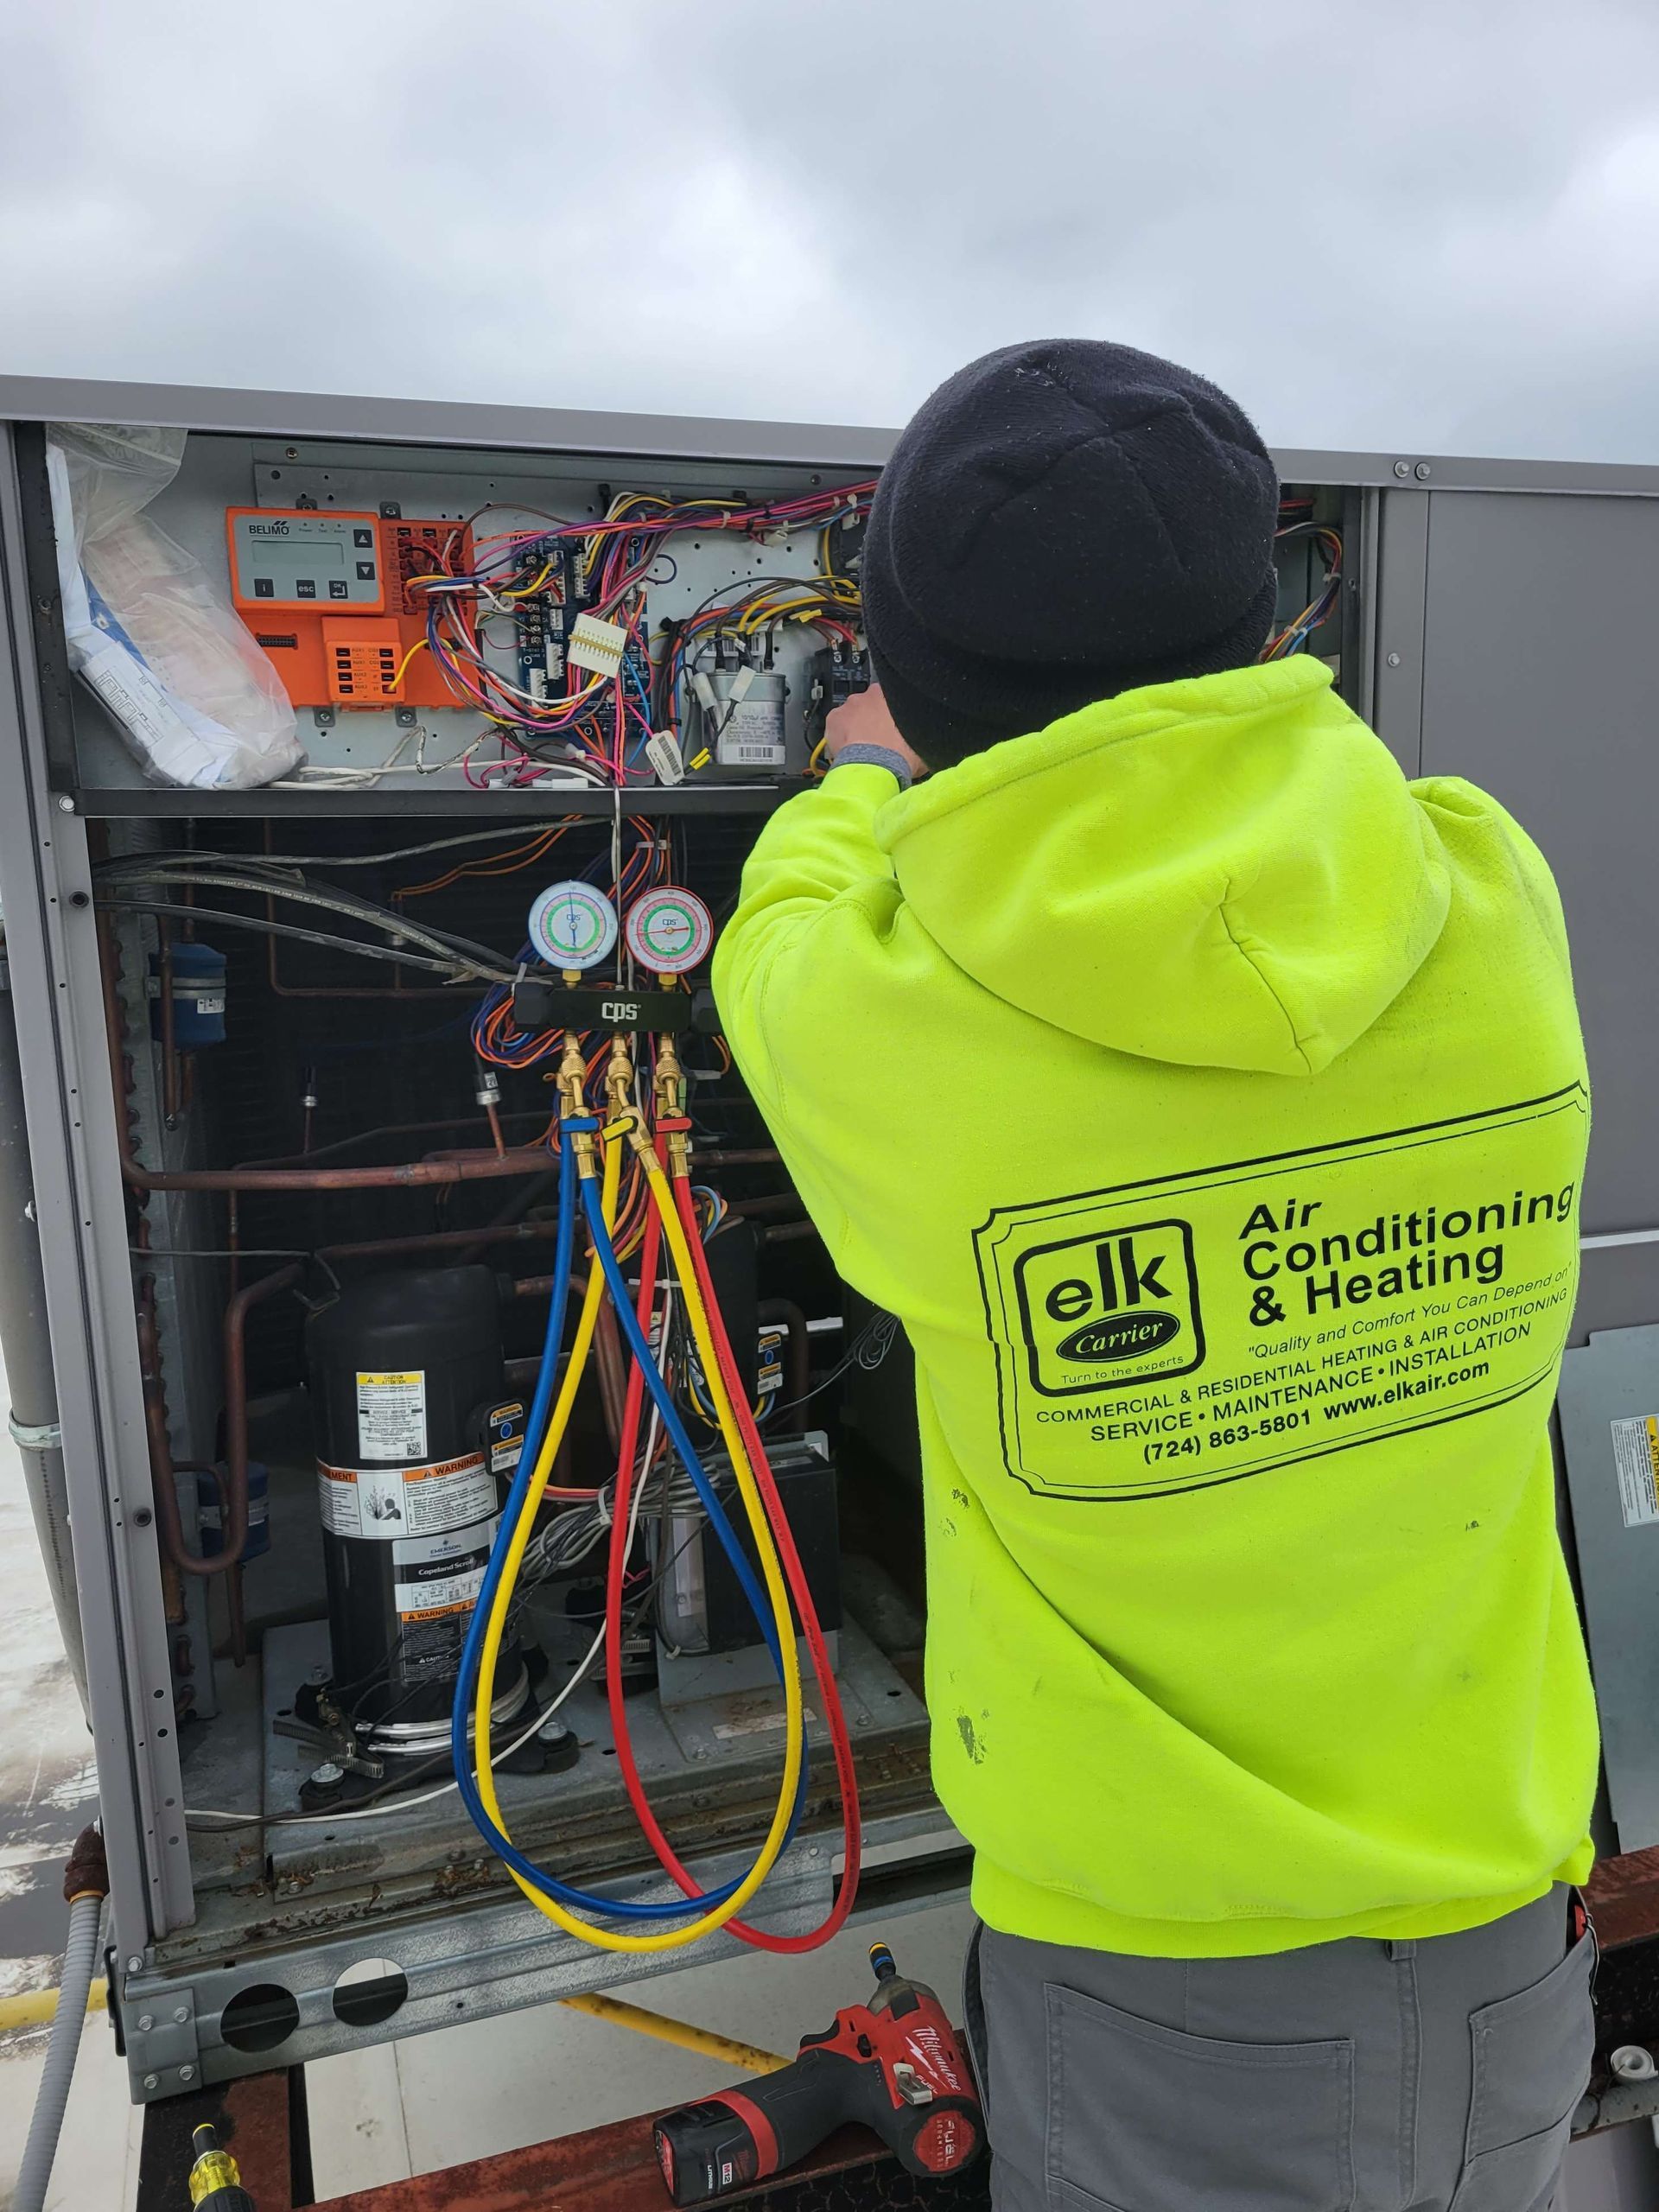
(1357,2076)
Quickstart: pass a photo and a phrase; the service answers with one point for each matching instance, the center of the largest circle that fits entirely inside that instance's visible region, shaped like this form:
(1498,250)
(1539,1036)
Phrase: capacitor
(405,1374)
(744,728)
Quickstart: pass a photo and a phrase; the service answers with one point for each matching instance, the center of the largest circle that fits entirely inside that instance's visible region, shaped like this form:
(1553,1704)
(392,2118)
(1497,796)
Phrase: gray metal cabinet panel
(1538,684)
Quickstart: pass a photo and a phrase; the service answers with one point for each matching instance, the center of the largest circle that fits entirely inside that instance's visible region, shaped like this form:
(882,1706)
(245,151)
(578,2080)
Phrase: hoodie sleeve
(817,858)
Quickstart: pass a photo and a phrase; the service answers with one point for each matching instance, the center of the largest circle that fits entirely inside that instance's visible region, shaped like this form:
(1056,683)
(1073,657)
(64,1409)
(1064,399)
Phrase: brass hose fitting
(670,1106)
(619,1076)
(619,1088)
(573,1104)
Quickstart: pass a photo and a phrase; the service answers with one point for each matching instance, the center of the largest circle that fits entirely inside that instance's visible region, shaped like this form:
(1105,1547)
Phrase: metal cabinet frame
(495,1955)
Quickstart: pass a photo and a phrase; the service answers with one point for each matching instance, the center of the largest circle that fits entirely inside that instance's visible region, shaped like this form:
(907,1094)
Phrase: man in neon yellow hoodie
(1209,1103)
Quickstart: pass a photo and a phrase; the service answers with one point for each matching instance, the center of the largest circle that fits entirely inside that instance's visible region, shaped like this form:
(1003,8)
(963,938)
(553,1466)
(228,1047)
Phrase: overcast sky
(1416,224)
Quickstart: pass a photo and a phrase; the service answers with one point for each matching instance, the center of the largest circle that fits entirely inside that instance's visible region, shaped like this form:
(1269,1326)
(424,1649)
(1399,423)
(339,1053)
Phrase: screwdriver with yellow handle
(215,2178)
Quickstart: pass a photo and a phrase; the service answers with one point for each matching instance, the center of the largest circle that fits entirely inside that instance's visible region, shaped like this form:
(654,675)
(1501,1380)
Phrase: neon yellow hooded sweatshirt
(1209,1103)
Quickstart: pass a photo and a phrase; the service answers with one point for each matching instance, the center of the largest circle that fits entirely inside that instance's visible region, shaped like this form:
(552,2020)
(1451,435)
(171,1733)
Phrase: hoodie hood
(1226,872)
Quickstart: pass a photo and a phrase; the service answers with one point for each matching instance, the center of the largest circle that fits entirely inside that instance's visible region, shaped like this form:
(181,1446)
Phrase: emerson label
(392,1415)
(1171,1334)
(1635,1456)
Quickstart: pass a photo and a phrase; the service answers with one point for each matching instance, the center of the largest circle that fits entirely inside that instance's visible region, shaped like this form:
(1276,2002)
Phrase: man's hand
(864,720)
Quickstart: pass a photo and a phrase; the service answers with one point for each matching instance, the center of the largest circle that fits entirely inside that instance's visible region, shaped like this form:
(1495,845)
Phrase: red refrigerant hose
(794,1574)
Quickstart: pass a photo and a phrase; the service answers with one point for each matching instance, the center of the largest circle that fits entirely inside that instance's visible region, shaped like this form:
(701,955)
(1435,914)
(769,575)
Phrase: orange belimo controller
(335,602)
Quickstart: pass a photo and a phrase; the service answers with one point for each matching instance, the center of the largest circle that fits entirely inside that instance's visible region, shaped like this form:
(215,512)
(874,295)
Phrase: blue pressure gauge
(573,925)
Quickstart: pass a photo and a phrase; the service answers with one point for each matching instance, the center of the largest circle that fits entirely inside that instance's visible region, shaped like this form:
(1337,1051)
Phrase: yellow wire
(672,1939)
(403,664)
(527,591)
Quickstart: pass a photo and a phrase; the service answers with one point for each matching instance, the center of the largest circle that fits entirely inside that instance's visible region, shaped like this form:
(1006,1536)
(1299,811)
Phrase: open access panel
(291,1058)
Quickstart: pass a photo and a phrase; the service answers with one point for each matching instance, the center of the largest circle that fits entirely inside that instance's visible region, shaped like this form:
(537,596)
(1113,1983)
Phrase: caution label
(438,1575)
(1636,1456)
(1193,1330)
(392,1415)
(383,1503)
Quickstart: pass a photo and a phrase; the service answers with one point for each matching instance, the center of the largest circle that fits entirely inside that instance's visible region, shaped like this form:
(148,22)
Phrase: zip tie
(46,1436)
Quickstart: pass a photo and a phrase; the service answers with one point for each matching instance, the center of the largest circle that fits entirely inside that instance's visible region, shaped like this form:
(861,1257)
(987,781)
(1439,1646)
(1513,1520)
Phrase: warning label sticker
(392,1415)
(1636,1455)
(440,1574)
(383,1503)
(1169,1335)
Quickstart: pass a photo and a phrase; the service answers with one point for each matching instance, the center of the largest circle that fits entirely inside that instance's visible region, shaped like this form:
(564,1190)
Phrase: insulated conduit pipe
(80,1955)
(86,1886)
(26,1347)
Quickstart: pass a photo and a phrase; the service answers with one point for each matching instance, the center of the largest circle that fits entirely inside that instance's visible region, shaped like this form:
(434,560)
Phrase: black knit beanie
(1061,521)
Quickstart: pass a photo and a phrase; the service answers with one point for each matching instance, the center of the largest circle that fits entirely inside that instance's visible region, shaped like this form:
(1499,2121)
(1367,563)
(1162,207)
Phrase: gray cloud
(1418,224)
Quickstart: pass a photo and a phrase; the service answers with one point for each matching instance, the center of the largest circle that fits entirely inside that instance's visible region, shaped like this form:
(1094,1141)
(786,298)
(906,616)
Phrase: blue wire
(460,1750)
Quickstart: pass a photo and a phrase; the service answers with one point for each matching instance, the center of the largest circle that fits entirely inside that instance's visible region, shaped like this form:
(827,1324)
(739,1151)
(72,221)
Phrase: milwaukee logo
(936,2059)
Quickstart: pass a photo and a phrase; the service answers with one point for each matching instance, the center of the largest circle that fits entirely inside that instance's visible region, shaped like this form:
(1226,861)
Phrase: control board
(304,560)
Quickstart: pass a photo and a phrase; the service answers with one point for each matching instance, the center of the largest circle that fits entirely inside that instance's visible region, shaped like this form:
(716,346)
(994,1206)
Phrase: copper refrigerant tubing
(164,1470)
(235,1426)
(233,1607)
(612,1368)
(412,1174)
(446,1240)
(386,1129)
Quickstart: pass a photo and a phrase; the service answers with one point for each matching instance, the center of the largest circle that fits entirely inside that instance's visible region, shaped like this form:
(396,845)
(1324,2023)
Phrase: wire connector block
(596,645)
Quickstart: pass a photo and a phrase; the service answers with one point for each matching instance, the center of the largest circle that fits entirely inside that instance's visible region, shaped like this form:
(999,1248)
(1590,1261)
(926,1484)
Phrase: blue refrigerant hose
(534,1427)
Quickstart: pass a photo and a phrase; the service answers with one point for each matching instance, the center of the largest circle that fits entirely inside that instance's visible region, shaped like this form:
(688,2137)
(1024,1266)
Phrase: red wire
(794,1574)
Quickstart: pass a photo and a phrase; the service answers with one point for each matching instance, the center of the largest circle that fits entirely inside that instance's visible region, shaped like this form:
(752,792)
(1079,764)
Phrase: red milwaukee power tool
(893,2064)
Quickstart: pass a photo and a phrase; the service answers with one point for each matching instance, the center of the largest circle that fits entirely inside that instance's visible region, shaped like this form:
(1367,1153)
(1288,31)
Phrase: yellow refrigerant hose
(772,1574)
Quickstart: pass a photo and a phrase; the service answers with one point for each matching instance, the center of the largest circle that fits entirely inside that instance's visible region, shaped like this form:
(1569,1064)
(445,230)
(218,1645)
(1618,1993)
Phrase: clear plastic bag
(198,701)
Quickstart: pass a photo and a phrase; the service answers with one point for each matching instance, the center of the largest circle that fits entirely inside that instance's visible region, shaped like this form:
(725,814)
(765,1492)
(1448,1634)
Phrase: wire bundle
(596,728)
(139,882)
(1295,634)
